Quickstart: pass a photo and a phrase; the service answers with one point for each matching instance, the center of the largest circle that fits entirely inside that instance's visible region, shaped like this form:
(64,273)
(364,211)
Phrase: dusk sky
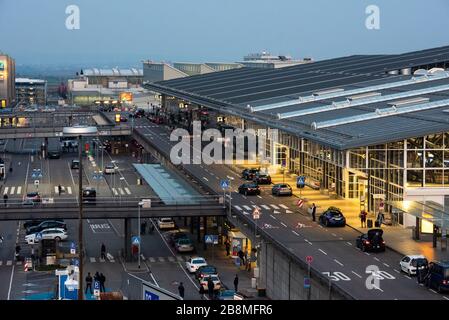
(113,32)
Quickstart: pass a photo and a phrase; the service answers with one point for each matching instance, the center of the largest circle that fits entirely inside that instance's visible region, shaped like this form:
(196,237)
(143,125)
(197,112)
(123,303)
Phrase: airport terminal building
(368,127)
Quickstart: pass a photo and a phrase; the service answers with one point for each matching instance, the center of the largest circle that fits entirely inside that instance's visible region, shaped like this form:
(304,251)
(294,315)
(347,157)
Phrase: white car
(215,280)
(408,263)
(194,263)
(165,223)
(110,169)
(57,234)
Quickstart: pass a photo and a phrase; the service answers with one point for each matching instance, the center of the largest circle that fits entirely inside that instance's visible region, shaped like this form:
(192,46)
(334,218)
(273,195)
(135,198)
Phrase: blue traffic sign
(150,296)
(96,285)
(225,184)
(211,239)
(300,181)
(306,282)
(75,262)
(38,236)
(135,240)
(72,245)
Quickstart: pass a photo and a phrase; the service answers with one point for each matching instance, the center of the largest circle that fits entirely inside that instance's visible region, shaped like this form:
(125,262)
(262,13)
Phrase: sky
(128,31)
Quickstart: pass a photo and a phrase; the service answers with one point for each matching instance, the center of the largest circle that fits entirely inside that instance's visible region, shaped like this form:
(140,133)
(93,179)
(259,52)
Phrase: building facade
(31,91)
(7,81)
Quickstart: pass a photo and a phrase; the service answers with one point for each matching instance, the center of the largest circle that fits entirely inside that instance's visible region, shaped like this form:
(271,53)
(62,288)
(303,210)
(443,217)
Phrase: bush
(52,267)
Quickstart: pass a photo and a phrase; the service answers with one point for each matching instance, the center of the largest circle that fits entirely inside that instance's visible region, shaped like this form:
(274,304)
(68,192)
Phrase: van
(438,276)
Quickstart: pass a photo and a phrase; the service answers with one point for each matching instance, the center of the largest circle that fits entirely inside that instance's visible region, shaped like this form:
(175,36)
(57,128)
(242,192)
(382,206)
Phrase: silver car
(281,189)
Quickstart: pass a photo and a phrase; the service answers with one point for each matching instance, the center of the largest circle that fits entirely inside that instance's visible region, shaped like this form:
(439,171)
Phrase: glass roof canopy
(426,210)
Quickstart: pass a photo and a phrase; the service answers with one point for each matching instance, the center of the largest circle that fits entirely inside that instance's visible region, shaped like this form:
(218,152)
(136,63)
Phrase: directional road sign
(225,184)
(211,239)
(256,213)
(72,248)
(300,181)
(97,288)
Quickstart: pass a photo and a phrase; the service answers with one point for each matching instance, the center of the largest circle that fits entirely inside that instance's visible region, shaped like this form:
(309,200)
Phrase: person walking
(210,287)
(103,252)
(181,290)
(88,283)
(5,199)
(102,280)
(236,283)
(363,215)
(228,247)
(59,189)
(242,257)
(314,212)
(143,227)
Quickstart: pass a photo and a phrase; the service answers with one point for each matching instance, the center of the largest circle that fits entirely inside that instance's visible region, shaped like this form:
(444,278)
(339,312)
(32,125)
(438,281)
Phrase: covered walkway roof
(426,210)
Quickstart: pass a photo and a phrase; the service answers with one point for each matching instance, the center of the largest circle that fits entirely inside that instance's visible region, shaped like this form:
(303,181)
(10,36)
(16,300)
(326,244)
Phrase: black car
(371,241)
(75,164)
(205,270)
(89,195)
(249,188)
(139,113)
(48,224)
(32,223)
(54,154)
(174,237)
(262,178)
(249,174)
(438,276)
(332,217)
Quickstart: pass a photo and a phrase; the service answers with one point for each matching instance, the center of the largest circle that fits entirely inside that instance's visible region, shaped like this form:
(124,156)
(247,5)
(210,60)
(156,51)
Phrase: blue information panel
(300,181)
(211,239)
(306,282)
(150,296)
(96,285)
(225,184)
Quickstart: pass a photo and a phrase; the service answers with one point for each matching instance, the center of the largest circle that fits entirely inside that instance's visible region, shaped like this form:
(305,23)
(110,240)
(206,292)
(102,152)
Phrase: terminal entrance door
(282,155)
(357,186)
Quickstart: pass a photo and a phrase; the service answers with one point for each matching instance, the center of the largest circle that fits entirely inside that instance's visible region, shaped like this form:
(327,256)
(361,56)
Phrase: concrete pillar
(417,230)
(198,229)
(127,239)
(205,232)
(191,225)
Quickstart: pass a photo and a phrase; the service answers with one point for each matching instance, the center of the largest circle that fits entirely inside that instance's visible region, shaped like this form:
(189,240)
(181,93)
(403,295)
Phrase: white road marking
(238,208)
(284,224)
(407,277)
(338,262)
(206,179)
(1,263)
(69,190)
(283,206)
(377,259)
(5,191)
(179,258)
(161,259)
(322,251)
(127,191)
(92,259)
(265,207)
(397,271)
(9,263)
(320,226)
(308,241)
(10,281)
(12,190)
(288,211)
(386,265)
(432,290)
(276,212)
(19,189)
(377,288)
(294,232)
(273,217)
(445,297)
(247,207)
(334,234)
(357,274)
(274,206)
(154,279)
(56,189)
(349,243)
(121,191)
(152,260)
(115,191)
(18,263)
(367,253)
(171,259)
(259,197)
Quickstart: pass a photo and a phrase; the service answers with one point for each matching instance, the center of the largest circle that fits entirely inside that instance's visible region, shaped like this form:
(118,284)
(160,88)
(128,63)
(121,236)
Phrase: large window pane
(446,158)
(415,143)
(434,178)
(414,178)
(396,145)
(434,159)
(396,158)
(357,158)
(414,159)
(434,141)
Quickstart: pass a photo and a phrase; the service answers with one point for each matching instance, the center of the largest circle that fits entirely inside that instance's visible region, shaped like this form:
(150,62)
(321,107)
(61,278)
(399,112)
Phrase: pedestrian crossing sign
(135,240)
(225,184)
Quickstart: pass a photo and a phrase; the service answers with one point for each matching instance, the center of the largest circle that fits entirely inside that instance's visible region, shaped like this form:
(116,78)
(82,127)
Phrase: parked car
(110,169)
(438,276)
(165,223)
(75,164)
(248,174)
(32,223)
(332,217)
(57,234)
(184,245)
(205,270)
(249,188)
(54,154)
(47,224)
(139,113)
(123,118)
(175,236)
(409,264)
(228,295)
(262,178)
(31,198)
(282,189)
(215,280)
(193,264)
(371,241)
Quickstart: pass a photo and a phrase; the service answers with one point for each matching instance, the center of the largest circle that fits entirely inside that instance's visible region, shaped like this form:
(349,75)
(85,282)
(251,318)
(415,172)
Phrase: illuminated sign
(3,103)
(2,65)
(126,96)
(117,118)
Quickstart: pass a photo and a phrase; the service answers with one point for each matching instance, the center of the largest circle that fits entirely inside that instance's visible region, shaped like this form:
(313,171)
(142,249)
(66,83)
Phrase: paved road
(333,250)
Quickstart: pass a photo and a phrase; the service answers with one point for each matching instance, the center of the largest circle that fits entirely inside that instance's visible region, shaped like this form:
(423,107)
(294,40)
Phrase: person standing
(210,287)
(363,215)
(242,257)
(313,212)
(97,276)
(5,199)
(88,283)
(181,290)
(228,247)
(102,280)
(59,189)
(236,283)
(103,252)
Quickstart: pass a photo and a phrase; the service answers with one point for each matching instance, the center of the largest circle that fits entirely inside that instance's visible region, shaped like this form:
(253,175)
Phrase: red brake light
(445,282)
(383,241)
(366,242)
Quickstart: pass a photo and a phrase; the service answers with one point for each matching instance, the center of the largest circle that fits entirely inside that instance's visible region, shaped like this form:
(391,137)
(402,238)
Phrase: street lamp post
(80,131)
(138,228)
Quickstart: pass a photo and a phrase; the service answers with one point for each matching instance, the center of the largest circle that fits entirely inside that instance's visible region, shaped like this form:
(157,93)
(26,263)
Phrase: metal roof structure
(114,72)
(332,91)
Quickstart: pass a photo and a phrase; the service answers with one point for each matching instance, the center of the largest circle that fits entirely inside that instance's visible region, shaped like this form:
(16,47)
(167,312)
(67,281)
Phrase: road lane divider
(323,252)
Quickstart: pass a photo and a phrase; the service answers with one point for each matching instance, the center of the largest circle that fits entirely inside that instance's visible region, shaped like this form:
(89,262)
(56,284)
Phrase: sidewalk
(397,238)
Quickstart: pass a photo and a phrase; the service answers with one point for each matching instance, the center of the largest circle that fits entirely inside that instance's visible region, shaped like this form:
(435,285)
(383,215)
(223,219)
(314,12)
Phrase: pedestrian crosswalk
(170,259)
(273,208)
(12,190)
(18,190)
(121,191)
(67,190)
(7,263)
